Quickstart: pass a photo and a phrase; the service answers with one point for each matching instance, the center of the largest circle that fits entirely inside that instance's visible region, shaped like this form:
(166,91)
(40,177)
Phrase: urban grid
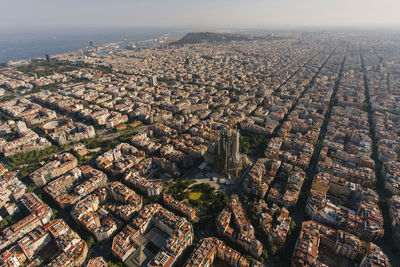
(243,150)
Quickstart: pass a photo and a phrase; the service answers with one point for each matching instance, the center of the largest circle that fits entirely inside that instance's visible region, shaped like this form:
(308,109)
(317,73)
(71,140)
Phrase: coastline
(15,46)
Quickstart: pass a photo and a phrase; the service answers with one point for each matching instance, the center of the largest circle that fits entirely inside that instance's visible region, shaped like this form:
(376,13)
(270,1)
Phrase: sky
(28,14)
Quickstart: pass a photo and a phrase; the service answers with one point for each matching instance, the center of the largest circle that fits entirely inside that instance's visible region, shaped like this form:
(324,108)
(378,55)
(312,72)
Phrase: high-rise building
(227,158)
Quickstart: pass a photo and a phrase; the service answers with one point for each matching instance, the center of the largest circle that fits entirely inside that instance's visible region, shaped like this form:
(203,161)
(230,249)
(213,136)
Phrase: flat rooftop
(149,244)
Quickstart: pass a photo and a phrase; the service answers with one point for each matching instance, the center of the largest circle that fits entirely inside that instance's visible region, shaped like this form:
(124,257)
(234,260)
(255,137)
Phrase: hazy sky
(195,13)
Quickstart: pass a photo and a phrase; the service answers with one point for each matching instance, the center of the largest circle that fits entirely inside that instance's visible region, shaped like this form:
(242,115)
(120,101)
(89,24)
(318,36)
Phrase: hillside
(199,37)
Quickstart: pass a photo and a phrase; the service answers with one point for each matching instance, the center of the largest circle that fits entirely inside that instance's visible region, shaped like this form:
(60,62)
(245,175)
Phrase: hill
(199,37)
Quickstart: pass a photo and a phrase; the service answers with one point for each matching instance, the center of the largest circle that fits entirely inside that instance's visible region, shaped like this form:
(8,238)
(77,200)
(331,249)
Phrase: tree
(292,226)
(264,255)
(244,199)
(54,214)
(30,187)
(114,264)
(273,250)
(249,258)
(90,241)
(220,200)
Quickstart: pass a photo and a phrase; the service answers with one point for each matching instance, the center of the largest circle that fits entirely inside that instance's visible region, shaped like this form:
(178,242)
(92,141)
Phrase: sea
(28,44)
